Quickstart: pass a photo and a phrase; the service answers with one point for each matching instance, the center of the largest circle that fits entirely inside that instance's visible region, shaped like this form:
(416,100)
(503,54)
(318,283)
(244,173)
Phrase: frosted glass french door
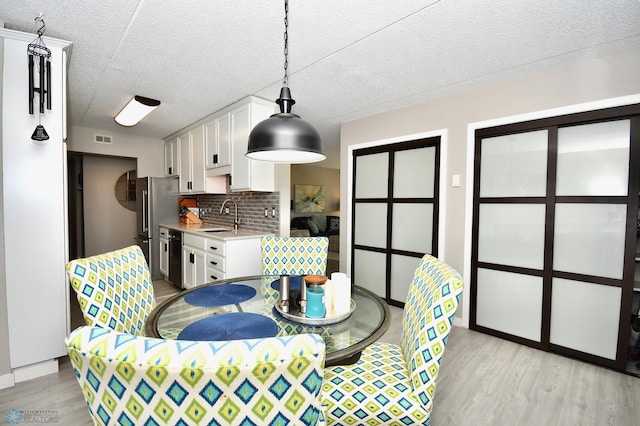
(395,202)
(553,223)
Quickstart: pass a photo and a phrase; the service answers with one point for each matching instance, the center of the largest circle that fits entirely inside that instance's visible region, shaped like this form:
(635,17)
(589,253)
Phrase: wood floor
(483,381)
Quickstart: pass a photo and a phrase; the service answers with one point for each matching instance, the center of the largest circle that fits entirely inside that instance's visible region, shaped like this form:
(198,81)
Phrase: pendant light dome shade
(285,137)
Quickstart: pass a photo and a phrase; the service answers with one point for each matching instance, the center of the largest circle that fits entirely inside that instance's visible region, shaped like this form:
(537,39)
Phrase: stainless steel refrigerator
(157,202)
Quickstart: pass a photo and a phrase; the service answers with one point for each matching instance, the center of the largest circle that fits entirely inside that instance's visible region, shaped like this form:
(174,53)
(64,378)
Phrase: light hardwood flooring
(483,381)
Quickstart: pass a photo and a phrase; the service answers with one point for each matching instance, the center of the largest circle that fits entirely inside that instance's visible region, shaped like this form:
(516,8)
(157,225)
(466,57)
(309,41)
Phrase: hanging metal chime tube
(31,88)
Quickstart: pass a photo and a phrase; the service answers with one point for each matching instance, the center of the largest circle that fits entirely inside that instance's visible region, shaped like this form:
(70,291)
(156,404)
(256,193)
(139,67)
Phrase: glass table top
(344,340)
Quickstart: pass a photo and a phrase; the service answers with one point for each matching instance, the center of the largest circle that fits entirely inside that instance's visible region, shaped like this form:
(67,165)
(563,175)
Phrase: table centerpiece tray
(295,315)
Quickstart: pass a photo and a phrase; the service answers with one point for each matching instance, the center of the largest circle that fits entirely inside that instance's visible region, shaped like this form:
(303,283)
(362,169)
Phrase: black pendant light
(285,137)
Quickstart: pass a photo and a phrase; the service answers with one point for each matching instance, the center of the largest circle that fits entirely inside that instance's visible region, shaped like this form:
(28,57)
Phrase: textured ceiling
(347,59)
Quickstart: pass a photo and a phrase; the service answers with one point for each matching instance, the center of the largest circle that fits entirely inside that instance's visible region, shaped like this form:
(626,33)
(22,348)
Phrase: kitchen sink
(215,230)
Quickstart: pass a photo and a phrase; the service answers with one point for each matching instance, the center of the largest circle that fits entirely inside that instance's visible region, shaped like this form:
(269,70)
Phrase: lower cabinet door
(194,267)
(164,257)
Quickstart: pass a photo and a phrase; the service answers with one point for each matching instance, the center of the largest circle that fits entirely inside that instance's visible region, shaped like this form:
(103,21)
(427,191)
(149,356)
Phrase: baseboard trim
(7,381)
(33,371)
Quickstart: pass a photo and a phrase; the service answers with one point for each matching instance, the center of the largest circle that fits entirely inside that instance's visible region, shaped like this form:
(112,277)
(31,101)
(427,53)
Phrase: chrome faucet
(235,221)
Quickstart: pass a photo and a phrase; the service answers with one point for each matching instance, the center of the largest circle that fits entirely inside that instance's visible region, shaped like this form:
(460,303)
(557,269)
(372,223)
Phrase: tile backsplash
(251,207)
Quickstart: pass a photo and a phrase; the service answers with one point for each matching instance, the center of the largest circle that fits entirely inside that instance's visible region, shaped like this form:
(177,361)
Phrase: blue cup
(315,302)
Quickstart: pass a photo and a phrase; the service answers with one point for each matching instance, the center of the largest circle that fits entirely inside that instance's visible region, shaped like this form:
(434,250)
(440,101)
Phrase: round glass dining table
(197,313)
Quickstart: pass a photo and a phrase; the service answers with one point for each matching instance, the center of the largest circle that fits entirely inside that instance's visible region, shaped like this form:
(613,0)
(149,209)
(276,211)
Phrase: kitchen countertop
(199,229)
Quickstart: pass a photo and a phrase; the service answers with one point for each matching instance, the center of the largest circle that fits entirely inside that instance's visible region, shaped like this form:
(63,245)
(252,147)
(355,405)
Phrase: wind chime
(37,50)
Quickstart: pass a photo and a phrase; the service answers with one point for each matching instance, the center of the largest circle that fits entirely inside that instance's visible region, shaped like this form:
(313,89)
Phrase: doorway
(98,221)
(553,249)
(395,204)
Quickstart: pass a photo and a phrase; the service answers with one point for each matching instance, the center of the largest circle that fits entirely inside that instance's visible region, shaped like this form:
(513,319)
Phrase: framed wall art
(308,198)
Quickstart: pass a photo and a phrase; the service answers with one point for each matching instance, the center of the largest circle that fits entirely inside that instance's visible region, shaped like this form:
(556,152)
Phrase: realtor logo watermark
(15,417)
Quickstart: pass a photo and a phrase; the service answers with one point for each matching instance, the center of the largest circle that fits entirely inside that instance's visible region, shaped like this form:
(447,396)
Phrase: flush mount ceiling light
(136,110)
(285,137)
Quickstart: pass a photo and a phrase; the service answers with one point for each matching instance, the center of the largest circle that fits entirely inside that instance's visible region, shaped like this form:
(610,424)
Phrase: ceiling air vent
(102,139)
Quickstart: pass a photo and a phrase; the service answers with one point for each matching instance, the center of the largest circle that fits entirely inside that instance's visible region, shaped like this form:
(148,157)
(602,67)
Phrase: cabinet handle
(170,170)
(192,258)
(213,263)
(215,158)
(213,277)
(213,248)
(166,247)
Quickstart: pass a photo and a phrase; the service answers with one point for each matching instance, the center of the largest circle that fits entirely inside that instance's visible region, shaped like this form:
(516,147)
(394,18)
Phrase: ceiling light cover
(137,108)
(285,137)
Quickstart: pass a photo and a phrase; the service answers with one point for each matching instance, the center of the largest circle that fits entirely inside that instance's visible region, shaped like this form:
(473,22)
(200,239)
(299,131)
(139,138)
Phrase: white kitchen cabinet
(233,258)
(246,174)
(171,158)
(218,145)
(164,251)
(215,147)
(193,177)
(206,259)
(194,267)
(33,242)
(192,160)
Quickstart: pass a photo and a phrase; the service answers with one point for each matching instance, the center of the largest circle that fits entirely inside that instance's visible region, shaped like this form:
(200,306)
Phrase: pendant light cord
(285,80)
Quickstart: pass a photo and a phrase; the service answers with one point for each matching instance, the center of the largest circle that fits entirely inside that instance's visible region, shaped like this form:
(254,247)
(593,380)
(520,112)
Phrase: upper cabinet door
(218,144)
(171,158)
(198,172)
(246,174)
(184,148)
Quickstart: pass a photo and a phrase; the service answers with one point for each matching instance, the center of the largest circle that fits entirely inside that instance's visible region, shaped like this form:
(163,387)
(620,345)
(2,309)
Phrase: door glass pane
(510,302)
(512,234)
(402,270)
(414,173)
(372,173)
(370,271)
(589,239)
(412,227)
(585,317)
(514,165)
(593,159)
(371,224)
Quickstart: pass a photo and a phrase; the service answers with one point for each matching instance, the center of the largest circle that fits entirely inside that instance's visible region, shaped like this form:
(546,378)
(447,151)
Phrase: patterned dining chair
(294,255)
(114,289)
(135,380)
(391,384)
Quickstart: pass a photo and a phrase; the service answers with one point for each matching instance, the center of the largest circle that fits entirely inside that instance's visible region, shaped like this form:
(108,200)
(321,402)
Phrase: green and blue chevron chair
(114,289)
(294,255)
(135,380)
(391,384)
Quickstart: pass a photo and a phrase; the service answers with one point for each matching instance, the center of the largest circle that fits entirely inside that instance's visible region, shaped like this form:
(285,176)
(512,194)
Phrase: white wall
(576,83)
(6,379)
(148,151)
(107,224)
